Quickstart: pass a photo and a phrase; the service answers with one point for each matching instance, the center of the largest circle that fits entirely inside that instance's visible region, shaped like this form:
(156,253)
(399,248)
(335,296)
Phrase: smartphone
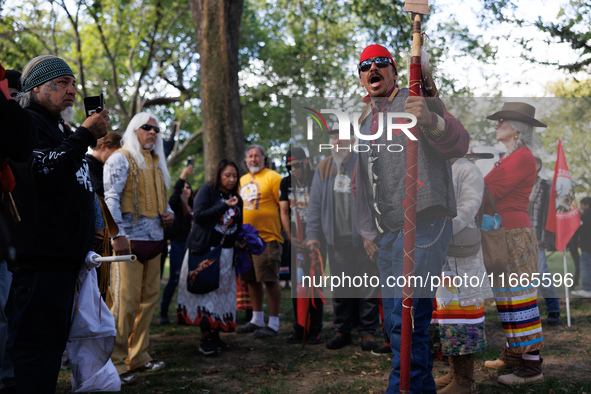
(91,103)
(191,162)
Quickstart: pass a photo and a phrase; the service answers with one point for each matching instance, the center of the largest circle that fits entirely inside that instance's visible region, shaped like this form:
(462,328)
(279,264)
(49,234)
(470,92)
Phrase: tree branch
(176,155)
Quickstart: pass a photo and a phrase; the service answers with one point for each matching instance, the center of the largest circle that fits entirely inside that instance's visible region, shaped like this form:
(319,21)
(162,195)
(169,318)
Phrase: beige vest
(144,193)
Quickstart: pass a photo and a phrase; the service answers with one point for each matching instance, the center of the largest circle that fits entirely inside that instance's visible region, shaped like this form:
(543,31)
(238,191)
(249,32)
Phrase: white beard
(149,146)
(339,156)
(254,170)
(68,114)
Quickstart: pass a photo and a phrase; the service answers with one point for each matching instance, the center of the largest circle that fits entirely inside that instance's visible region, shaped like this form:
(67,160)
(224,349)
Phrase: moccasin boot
(529,371)
(446,379)
(507,359)
(463,378)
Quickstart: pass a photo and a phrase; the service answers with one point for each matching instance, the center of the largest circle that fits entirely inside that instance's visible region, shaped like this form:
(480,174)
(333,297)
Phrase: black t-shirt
(227,224)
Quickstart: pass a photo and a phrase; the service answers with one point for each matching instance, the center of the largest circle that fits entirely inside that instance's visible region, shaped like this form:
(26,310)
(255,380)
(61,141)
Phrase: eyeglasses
(380,62)
(149,127)
(297,166)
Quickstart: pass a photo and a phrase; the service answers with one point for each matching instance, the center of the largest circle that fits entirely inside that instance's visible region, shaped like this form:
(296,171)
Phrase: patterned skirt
(518,305)
(461,328)
(215,310)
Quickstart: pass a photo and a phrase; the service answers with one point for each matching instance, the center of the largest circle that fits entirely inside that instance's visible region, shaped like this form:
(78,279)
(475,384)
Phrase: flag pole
(566,289)
(564,218)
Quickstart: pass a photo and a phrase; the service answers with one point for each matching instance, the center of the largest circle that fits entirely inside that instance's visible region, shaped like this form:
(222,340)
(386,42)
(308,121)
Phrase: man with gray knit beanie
(55,199)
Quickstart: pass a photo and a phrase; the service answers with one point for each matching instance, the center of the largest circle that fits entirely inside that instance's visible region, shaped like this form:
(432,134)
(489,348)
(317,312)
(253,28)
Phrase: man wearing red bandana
(380,196)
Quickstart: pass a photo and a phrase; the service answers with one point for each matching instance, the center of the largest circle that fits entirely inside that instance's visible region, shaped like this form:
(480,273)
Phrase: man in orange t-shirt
(260,191)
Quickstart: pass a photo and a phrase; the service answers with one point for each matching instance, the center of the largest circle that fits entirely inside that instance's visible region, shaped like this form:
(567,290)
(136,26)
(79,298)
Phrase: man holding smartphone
(55,199)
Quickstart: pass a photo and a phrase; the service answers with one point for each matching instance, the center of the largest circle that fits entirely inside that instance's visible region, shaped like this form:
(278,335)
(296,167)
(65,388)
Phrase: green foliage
(570,26)
(571,122)
(472,112)
(310,48)
(142,55)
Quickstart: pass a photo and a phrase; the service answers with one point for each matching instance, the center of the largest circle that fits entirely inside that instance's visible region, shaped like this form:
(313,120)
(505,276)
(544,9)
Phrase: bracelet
(438,127)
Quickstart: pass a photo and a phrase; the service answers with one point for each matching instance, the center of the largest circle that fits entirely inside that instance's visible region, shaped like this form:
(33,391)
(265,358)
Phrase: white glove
(90,260)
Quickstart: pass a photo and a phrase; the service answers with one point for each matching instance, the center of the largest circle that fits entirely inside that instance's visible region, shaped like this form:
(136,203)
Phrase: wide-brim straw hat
(517,111)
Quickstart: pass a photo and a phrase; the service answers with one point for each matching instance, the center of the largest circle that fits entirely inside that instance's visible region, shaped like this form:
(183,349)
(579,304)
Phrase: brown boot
(529,371)
(463,379)
(507,359)
(446,379)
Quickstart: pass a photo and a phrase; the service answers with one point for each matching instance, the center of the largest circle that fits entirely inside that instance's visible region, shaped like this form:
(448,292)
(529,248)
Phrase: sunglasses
(380,62)
(149,127)
(297,165)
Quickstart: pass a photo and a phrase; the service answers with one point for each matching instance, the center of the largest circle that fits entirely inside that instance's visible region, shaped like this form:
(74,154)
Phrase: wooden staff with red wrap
(418,8)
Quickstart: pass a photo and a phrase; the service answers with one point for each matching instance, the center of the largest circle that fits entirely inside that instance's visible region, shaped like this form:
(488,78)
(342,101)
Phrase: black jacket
(55,198)
(95,168)
(17,139)
(207,210)
(16,132)
(179,231)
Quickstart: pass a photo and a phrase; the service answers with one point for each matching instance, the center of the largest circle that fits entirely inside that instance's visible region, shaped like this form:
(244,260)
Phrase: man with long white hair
(55,200)
(136,180)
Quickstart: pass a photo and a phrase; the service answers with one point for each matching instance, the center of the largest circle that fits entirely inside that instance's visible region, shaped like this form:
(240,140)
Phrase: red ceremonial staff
(418,8)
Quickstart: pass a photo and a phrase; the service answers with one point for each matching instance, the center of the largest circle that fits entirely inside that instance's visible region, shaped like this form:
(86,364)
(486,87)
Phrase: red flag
(563,214)
(4,84)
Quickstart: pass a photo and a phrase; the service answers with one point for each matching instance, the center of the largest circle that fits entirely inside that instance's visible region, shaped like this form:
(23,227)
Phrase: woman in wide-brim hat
(510,183)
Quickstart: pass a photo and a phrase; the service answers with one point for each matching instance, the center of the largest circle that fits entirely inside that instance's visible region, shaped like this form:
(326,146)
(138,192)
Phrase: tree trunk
(217,23)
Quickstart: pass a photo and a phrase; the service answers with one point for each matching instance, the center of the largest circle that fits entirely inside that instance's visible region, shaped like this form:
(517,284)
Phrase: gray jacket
(321,203)
(435,194)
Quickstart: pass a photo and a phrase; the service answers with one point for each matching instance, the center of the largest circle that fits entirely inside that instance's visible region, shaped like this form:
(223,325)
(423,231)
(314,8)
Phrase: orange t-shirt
(260,193)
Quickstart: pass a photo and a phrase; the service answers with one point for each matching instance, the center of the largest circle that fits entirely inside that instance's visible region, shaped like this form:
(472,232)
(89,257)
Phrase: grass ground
(254,365)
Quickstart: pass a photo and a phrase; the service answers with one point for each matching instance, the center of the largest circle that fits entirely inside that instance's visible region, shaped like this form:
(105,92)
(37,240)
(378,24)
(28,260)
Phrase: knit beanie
(46,71)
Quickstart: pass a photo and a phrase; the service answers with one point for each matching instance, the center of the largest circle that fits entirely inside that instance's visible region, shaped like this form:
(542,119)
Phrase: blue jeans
(432,240)
(6,367)
(549,293)
(586,270)
(177,252)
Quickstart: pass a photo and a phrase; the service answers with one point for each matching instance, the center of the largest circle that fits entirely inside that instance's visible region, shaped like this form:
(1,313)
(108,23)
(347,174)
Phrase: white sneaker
(582,293)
